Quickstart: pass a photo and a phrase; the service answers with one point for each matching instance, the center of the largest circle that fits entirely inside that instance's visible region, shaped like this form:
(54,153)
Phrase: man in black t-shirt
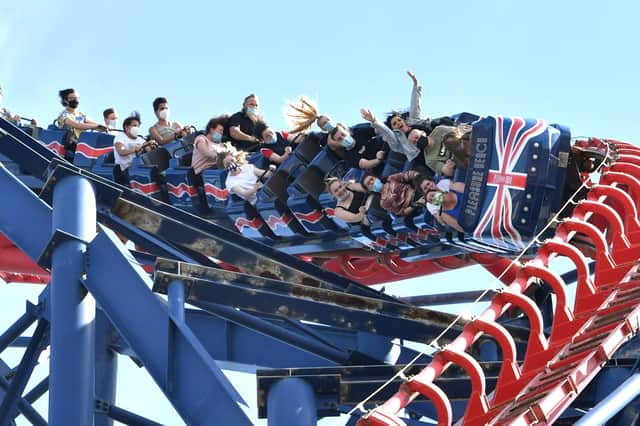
(367,155)
(241,125)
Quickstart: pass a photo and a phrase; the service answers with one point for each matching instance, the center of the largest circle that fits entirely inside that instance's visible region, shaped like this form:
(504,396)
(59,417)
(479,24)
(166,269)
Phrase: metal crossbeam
(171,353)
(316,305)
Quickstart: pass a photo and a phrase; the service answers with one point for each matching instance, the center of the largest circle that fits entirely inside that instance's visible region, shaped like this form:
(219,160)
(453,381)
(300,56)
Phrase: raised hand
(413,77)
(367,115)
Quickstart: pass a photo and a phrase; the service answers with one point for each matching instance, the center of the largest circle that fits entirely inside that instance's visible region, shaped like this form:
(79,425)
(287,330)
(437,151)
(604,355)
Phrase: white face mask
(135,130)
(113,124)
(164,114)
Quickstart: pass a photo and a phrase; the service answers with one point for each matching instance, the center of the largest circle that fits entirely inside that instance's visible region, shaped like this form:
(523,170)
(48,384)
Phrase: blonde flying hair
(228,149)
(301,117)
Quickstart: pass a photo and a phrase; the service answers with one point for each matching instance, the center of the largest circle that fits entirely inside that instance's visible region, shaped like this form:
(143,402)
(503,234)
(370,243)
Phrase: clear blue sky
(575,63)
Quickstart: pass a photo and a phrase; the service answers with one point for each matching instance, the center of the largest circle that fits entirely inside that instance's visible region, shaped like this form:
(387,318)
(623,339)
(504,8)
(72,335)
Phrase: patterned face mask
(438,199)
(232,167)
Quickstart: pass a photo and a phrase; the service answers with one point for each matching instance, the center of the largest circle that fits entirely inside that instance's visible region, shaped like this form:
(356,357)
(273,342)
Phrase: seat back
(158,157)
(90,146)
(308,148)
(55,140)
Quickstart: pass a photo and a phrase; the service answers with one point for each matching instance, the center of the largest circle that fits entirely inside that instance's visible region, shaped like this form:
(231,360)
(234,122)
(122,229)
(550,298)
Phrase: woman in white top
(243,178)
(129,144)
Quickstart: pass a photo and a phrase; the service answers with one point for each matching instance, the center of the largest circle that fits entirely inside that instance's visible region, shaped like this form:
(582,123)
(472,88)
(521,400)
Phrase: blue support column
(106,367)
(291,401)
(176,301)
(612,404)
(71,399)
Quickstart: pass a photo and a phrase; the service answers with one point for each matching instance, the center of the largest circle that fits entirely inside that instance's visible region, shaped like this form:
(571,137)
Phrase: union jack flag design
(507,175)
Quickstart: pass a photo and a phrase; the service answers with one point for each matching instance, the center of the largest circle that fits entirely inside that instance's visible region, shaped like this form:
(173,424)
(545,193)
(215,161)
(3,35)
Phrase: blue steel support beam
(12,399)
(297,340)
(196,387)
(612,404)
(72,309)
(33,213)
(144,239)
(38,390)
(129,418)
(25,407)
(292,401)
(16,329)
(106,364)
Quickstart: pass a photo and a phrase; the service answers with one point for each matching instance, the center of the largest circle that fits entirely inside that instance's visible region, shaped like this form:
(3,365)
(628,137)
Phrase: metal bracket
(58,237)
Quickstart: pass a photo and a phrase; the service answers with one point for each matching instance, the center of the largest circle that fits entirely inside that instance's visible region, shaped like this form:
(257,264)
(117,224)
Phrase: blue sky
(567,62)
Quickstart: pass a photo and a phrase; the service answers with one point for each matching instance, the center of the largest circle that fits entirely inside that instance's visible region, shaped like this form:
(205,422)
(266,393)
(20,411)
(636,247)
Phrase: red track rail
(556,369)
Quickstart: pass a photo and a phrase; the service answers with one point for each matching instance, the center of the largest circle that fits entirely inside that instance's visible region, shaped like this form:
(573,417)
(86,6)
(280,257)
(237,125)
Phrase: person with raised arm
(396,129)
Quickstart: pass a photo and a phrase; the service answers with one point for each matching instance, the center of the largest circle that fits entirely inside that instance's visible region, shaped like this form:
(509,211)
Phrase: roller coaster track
(561,359)
(555,369)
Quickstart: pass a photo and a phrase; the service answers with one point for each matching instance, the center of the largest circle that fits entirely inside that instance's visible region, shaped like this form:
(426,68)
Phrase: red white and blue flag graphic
(506,177)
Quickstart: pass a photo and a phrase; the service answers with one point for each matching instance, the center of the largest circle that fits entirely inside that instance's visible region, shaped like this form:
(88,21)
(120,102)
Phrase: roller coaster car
(514,182)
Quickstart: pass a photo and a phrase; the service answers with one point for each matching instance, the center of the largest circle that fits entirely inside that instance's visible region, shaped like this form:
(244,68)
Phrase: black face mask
(422,142)
(73,103)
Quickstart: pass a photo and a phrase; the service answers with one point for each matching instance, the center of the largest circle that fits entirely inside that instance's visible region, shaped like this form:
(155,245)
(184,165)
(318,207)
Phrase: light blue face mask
(348,142)
(346,195)
(377,186)
(217,137)
(253,111)
(271,141)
